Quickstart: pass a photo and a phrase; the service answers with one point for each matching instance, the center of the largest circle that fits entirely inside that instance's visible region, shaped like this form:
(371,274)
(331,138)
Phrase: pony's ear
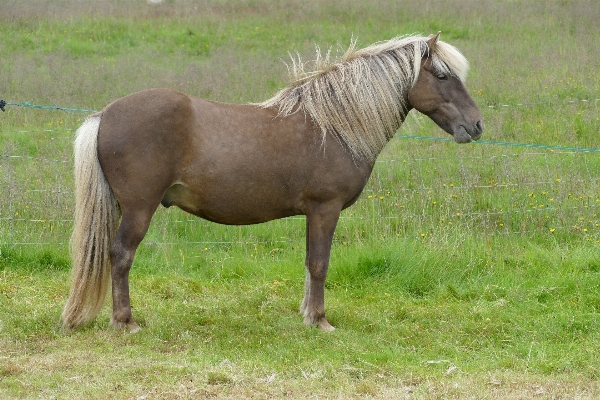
(432,41)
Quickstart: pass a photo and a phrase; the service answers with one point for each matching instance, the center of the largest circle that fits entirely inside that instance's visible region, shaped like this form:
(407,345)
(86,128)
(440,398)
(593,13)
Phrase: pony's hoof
(326,326)
(131,325)
(321,323)
(134,328)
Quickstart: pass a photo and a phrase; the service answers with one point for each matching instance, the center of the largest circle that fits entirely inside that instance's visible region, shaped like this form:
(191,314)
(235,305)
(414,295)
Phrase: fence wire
(521,192)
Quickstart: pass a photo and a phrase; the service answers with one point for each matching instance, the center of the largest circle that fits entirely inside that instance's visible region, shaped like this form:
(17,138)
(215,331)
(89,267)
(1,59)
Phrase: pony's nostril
(479,126)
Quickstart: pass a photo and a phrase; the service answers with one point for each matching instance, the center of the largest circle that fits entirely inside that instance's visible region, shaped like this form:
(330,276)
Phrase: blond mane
(361,100)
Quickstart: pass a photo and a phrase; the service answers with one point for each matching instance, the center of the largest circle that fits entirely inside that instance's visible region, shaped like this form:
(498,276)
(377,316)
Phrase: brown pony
(309,150)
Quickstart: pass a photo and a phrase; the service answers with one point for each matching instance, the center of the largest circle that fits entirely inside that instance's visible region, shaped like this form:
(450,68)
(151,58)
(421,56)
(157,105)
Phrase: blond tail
(96,218)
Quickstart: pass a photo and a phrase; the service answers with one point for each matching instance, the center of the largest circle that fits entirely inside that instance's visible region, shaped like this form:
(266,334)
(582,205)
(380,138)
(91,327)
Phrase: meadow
(463,272)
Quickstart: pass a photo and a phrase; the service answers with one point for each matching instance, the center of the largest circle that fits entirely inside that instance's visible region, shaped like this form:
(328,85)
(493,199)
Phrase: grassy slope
(434,306)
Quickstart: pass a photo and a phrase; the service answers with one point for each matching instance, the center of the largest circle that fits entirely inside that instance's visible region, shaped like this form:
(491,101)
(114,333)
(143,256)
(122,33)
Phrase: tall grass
(462,272)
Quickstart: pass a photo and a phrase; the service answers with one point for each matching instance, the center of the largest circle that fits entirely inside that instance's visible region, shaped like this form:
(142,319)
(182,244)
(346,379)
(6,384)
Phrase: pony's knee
(318,271)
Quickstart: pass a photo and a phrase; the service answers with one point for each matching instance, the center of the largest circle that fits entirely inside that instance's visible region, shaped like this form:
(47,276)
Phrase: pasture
(463,271)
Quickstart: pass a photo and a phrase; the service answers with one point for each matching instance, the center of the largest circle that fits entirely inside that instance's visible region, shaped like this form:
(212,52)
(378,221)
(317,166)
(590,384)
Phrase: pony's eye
(442,77)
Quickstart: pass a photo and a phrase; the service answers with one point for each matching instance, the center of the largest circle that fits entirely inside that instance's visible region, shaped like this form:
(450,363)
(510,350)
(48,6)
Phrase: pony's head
(439,91)
(363,99)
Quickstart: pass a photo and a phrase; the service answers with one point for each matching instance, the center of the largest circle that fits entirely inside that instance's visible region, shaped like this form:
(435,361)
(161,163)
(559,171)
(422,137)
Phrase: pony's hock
(309,151)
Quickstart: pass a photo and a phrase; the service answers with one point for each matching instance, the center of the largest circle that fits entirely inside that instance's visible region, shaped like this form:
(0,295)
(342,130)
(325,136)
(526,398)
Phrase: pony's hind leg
(134,225)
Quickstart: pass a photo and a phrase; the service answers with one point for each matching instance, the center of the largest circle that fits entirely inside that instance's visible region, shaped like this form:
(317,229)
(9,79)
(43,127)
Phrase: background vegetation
(463,272)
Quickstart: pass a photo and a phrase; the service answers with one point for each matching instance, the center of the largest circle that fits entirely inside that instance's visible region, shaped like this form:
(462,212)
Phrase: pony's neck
(362,101)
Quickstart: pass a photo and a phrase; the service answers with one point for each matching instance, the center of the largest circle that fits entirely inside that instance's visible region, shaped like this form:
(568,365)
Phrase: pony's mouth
(464,135)
(461,135)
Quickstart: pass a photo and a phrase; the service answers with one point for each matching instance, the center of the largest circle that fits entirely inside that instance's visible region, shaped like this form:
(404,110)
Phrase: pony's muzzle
(465,135)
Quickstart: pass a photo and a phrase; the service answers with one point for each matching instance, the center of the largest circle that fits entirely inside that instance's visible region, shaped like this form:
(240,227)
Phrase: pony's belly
(229,207)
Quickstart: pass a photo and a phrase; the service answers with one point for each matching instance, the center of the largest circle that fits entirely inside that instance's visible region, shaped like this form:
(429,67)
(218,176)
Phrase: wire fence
(491,188)
(26,104)
(412,196)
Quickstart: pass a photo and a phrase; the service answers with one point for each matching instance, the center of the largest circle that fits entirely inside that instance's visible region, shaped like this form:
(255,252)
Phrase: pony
(309,150)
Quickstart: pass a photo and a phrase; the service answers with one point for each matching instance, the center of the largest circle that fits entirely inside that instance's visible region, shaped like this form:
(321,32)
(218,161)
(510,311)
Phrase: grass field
(463,272)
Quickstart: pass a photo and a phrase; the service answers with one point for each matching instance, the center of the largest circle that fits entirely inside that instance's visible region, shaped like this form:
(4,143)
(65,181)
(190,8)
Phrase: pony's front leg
(320,226)
(131,232)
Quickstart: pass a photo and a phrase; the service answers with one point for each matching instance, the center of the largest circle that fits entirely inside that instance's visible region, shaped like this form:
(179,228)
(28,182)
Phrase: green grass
(462,272)
(402,313)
